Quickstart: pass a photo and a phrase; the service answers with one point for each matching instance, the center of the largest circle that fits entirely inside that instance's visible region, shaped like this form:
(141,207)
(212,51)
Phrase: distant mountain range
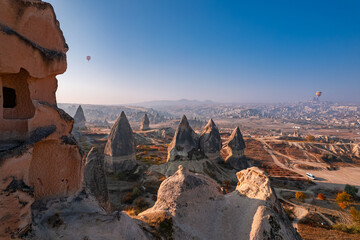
(166,103)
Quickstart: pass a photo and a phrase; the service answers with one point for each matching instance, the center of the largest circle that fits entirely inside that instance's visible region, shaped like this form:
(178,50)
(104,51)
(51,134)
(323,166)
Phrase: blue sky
(225,51)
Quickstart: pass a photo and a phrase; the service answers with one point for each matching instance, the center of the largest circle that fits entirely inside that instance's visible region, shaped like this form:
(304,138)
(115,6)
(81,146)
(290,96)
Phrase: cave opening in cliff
(9,97)
(17,103)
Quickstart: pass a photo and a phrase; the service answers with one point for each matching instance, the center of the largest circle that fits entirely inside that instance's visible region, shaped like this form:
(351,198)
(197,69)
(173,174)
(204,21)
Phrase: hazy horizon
(238,52)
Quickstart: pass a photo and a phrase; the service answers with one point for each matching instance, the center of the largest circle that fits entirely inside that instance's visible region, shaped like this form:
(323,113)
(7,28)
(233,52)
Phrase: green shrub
(352,190)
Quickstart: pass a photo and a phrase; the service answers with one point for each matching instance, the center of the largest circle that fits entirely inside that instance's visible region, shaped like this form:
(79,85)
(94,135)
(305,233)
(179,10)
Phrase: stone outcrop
(185,143)
(120,148)
(94,178)
(197,209)
(210,141)
(145,123)
(79,118)
(234,150)
(38,156)
(80,217)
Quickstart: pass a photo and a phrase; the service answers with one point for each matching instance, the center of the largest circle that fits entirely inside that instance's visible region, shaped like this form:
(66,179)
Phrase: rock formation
(35,138)
(185,143)
(210,141)
(94,178)
(80,217)
(234,150)
(195,208)
(120,148)
(145,123)
(79,118)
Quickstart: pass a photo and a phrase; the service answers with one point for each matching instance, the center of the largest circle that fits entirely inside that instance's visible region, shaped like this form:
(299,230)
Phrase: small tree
(352,190)
(355,214)
(344,199)
(300,195)
(310,138)
(321,196)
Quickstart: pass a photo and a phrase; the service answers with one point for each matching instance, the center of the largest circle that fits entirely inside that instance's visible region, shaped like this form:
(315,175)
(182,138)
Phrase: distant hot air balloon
(88,58)
(318,94)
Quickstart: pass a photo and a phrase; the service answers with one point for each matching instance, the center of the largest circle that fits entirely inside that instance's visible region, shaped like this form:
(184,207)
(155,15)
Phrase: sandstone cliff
(35,139)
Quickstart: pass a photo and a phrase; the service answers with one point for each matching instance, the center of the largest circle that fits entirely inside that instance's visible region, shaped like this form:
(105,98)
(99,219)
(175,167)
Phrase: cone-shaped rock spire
(235,150)
(121,139)
(210,140)
(185,142)
(79,118)
(120,148)
(145,123)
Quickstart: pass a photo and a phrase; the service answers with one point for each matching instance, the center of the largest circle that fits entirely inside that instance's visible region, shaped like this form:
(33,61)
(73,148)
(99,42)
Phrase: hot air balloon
(88,58)
(318,94)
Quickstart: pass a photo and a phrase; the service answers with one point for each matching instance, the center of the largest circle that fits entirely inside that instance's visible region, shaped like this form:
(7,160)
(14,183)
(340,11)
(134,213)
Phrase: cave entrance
(9,97)
(17,103)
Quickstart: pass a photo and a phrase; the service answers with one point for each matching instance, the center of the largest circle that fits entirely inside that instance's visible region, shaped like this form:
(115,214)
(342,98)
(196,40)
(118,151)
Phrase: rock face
(185,143)
(197,209)
(120,148)
(80,217)
(79,118)
(35,139)
(94,178)
(145,123)
(234,150)
(210,140)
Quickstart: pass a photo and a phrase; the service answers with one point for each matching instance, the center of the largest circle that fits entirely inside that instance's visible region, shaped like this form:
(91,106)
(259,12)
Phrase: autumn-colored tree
(344,197)
(300,195)
(310,138)
(355,214)
(321,196)
(342,205)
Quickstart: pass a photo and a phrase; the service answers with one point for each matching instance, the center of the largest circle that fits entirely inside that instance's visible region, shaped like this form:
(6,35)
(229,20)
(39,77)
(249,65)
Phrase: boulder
(185,143)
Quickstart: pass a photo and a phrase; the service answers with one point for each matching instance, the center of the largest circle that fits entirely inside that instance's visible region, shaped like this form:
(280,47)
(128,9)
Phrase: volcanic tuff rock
(79,118)
(120,147)
(80,217)
(185,143)
(197,209)
(35,139)
(145,123)
(234,150)
(210,140)
(94,178)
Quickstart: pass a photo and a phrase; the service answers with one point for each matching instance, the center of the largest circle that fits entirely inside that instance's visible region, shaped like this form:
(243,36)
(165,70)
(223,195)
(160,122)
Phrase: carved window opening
(9,97)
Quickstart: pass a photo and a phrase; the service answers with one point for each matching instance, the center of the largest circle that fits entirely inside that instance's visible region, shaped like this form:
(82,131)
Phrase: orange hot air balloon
(88,58)
(318,93)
